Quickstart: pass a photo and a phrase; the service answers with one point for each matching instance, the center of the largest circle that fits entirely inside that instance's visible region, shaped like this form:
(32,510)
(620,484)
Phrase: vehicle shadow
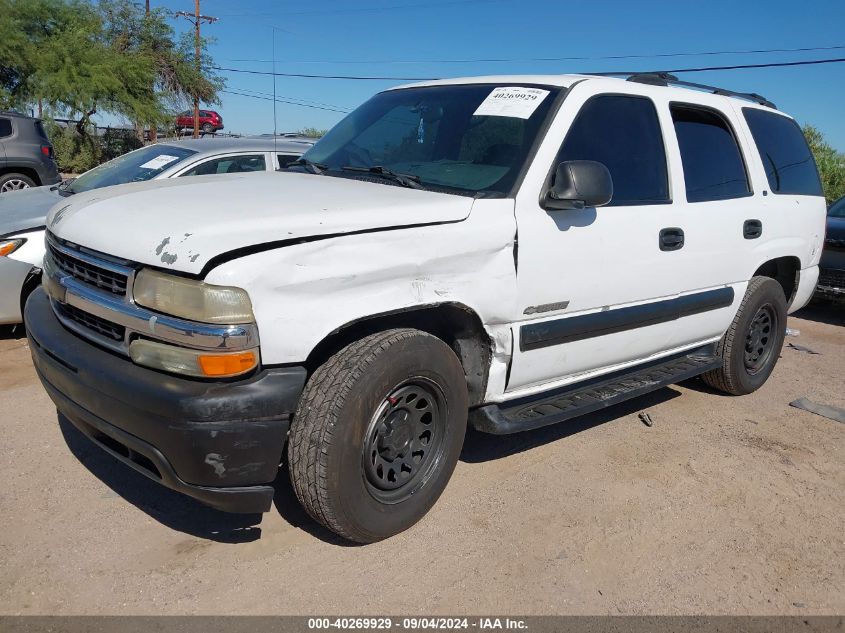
(12,332)
(166,506)
(482,447)
(823,312)
(288,506)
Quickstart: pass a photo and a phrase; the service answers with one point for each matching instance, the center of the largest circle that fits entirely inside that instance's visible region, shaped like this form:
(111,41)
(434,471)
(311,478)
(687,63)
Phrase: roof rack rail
(660,78)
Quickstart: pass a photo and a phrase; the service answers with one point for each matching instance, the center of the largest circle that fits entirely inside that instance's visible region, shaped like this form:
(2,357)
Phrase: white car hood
(183,223)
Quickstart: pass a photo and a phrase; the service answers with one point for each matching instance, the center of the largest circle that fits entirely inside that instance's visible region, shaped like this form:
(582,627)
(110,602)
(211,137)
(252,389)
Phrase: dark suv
(26,154)
(210,121)
(832,264)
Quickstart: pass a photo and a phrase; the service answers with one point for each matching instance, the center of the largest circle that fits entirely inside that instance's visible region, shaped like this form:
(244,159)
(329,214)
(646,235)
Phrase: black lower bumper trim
(219,442)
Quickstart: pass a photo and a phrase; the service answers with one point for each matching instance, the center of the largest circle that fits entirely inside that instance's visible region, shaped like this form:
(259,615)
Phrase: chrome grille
(89,273)
(100,326)
(832,278)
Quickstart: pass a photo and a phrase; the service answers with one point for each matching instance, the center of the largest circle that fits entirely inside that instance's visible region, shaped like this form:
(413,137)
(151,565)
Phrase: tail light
(47,150)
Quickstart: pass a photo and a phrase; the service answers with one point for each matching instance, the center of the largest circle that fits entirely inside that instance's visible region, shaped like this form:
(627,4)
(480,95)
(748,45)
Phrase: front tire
(751,346)
(377,434)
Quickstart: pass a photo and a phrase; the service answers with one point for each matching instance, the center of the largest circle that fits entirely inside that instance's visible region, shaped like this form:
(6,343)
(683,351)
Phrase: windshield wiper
(310,165)
(64,187)
(406,180)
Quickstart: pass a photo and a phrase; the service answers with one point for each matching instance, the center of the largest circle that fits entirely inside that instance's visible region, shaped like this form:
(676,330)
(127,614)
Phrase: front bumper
(219,442)
(13,276)
(831,283)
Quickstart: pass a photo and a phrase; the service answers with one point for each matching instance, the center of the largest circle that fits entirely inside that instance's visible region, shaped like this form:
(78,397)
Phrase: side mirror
(579,184)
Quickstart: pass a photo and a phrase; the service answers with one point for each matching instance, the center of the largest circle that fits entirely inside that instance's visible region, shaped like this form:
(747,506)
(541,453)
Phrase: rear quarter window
(5,128)
(789,164)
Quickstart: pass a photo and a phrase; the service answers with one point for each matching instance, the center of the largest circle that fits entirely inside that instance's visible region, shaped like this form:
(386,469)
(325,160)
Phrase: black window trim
(206,159)
(732,129)
(763,162)
(625,203)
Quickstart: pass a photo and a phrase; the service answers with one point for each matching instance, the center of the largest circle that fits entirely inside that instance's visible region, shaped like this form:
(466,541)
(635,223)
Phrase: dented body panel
(317,287)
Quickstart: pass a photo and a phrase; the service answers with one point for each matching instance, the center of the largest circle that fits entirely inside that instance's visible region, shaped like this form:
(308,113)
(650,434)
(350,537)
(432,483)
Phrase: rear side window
(789,164)
(39,130)
(713,164)
(5,127)
(623,133)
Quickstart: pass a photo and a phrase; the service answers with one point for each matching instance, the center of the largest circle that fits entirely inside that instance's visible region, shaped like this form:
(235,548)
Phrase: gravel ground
(724,506)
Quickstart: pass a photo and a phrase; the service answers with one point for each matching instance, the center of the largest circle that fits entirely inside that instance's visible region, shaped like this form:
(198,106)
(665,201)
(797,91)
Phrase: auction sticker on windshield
(518,103)
(159,161)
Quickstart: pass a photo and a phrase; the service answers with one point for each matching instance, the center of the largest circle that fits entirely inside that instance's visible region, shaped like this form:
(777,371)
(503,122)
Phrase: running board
(551,407)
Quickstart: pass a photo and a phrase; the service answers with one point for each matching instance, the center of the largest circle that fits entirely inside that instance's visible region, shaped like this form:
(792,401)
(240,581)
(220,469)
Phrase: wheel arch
(457,325)
(23,171)
(786,271)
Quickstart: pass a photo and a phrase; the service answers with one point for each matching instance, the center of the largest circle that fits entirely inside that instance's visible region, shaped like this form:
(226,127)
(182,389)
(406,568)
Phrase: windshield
(142,164)
(463,139)
(837,209)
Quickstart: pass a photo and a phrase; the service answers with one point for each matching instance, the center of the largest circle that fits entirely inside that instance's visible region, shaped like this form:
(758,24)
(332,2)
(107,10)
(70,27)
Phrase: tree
(131,29)
(312,132)
(831,163)
(81,58)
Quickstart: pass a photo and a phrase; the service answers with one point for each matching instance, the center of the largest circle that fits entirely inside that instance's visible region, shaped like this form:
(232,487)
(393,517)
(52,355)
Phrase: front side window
(465,139)
(286,159)
(142,164)
(713,164)
(623,133)
(837,209)
(790,167)
(229,165)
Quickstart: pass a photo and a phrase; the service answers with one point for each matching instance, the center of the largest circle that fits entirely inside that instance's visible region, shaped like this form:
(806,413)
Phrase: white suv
(508,251)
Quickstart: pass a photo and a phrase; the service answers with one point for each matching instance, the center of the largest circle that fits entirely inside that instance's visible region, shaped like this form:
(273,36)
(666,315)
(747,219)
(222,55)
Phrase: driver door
(595,288)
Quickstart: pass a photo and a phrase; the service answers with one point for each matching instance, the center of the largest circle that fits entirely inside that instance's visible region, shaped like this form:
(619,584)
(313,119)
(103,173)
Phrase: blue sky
(412,38)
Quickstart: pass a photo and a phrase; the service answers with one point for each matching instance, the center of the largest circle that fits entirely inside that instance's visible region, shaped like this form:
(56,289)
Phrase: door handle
(671,239)
(752,229)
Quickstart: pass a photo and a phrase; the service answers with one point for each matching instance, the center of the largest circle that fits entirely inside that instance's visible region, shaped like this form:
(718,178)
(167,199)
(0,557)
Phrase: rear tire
(15,182)
(751,346)
(207,128)
(377,434)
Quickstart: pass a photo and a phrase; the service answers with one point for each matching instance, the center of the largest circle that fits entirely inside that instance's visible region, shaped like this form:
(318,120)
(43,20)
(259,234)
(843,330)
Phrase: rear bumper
(218,442)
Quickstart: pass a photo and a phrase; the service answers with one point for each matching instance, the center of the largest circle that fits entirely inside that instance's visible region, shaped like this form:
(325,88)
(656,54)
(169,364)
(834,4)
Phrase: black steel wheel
(760,339)
(404,440)
(750,348)
(377,433)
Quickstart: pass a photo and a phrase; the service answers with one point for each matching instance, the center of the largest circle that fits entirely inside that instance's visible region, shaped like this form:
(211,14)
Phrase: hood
(183,223)
(26,209)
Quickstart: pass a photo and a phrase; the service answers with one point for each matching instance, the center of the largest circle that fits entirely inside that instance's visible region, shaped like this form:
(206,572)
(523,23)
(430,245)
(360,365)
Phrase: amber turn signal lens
(227,364)
(8,247)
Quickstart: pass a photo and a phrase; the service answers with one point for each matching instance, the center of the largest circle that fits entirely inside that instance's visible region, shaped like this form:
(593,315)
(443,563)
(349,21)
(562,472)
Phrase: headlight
(7,247)
(189,362)
(191,299)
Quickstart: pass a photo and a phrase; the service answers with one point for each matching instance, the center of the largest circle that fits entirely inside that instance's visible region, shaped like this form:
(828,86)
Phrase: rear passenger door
(596,291)
(719,212)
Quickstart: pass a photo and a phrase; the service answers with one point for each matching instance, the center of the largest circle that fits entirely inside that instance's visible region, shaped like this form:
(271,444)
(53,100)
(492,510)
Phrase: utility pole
(197,19)
(153,130)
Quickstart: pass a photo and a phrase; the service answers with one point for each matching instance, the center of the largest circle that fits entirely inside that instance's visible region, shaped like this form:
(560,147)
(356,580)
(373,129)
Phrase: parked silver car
(23,213)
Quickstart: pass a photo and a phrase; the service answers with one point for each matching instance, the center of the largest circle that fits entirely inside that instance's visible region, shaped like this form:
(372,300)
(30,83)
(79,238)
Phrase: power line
(265,72)
(770,65)
(553,59)
(288,97)
(420,5)
(675,70)
(302,105)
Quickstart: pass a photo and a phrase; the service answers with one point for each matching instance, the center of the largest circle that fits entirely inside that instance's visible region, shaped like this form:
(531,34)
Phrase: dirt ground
(723,506)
